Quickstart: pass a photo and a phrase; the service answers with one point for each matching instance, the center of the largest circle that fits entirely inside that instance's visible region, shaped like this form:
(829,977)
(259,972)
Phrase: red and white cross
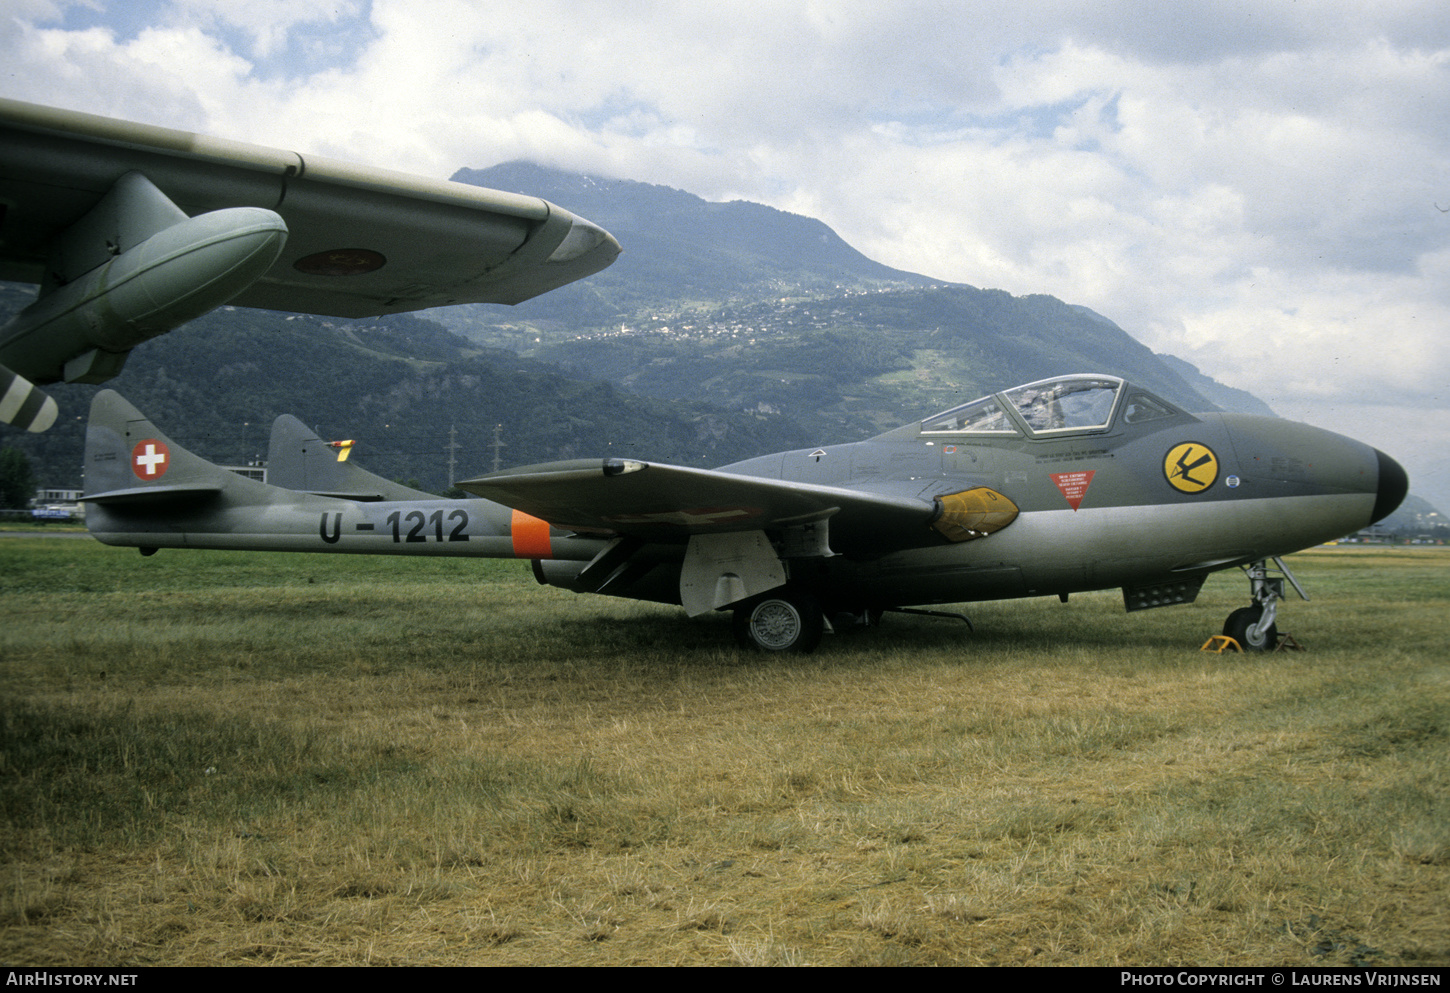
(150,459)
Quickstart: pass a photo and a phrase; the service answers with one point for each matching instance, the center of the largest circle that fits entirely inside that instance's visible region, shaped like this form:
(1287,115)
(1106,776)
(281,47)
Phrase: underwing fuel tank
(81,332)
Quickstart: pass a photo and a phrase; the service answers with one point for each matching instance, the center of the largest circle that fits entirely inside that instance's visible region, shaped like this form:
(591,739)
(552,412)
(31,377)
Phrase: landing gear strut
(1253,627)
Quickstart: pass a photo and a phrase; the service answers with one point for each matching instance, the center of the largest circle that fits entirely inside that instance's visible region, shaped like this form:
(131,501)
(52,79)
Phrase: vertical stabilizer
(297,459)
(128,456)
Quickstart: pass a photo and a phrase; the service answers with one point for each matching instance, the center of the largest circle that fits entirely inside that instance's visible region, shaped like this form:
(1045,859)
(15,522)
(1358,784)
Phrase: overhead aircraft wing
(360,241)
(665,503)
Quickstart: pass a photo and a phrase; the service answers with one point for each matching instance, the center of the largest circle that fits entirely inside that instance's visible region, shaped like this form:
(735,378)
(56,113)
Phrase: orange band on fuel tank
(531,537)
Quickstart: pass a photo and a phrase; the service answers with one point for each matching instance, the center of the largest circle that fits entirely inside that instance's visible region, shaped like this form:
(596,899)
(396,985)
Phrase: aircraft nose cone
(1393,486)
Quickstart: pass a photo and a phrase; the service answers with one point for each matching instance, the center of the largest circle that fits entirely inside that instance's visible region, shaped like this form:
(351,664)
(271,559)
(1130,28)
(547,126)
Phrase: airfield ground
(216,758)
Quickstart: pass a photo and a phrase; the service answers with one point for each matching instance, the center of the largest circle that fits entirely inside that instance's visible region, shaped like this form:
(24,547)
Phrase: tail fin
(297,459)
(129,458)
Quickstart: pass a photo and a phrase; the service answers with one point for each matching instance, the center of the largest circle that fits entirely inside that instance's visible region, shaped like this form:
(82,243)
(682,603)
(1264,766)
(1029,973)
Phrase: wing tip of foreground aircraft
(24,405)
(1068,485)
(132,230)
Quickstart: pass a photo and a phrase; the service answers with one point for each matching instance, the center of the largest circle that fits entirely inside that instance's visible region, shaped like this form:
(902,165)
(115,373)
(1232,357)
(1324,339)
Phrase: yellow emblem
(1190,467)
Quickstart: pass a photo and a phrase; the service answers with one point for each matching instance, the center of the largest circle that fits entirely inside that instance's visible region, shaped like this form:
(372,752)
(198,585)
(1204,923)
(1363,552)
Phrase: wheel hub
(775,624)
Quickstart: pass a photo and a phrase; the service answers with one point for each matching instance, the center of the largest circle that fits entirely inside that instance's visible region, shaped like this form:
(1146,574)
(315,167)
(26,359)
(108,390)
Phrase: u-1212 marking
(416,521)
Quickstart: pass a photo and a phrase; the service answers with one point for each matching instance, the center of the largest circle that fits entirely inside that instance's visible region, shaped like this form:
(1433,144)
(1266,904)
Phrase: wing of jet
(654,502)
(657,502)
(131,230)
(721,521)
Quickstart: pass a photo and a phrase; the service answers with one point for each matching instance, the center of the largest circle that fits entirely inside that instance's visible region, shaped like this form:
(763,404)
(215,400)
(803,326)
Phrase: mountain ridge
(680,246)
(699,278)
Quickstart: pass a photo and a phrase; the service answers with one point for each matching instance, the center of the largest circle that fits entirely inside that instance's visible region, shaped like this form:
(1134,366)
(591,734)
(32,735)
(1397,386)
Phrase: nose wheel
(1246,626)
(1254,627)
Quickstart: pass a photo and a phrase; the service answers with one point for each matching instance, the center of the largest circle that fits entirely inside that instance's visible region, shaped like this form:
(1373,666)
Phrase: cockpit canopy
(1050,407)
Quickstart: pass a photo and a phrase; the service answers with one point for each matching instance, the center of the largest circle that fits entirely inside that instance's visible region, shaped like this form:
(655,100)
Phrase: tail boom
(458,528)
(146,491)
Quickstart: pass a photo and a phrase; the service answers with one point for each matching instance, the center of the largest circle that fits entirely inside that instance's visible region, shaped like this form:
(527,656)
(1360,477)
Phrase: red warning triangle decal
(1074,485)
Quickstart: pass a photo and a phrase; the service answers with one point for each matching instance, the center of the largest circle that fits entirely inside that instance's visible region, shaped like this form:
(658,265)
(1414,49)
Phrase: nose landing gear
(1254,627)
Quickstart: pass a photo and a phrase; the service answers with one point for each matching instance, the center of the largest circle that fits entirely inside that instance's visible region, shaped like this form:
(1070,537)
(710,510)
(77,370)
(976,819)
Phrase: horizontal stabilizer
(151,493)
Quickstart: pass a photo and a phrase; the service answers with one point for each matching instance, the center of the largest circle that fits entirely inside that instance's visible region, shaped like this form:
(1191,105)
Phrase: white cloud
(264,24)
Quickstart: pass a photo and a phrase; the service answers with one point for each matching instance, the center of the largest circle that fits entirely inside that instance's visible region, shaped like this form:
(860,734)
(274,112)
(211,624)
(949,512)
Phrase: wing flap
(667,503)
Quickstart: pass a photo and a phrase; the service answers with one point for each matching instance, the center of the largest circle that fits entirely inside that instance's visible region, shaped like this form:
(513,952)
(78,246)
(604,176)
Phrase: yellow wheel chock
(1219,644)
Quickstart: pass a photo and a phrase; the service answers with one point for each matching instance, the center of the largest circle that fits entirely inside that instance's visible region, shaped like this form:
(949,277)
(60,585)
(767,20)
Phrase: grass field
(221,758)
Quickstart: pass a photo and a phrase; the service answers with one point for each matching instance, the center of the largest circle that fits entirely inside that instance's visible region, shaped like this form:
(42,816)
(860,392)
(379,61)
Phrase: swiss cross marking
(150,459)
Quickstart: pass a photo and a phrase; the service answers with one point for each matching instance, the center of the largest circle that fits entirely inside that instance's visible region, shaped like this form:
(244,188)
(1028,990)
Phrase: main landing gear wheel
(787,621)
(1242,626)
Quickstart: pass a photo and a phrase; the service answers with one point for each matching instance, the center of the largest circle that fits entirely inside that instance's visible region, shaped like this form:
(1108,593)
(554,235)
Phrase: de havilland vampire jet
(132,230)
(1076,483)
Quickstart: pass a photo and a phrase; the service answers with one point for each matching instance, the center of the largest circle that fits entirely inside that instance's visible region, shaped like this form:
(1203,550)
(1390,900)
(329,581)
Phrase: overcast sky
(1260,188)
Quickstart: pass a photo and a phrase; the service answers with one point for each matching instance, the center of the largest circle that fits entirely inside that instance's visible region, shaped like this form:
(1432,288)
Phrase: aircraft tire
(785,621)
(1241,621)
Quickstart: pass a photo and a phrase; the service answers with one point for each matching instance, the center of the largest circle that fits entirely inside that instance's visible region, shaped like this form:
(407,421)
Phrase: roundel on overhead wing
(1190,467)
(341,262)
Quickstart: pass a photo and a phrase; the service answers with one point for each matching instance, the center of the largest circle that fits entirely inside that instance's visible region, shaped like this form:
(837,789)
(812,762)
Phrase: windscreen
(1067,403)
(1070,404)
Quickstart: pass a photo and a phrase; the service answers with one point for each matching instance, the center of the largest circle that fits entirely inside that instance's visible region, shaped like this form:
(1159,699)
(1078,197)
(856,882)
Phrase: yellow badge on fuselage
(1190,467)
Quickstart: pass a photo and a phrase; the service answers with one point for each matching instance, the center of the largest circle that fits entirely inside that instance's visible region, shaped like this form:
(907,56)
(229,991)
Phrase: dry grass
(214,758)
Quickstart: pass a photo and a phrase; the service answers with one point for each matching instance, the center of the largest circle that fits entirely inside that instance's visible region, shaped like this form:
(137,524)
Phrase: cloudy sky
(1261,187)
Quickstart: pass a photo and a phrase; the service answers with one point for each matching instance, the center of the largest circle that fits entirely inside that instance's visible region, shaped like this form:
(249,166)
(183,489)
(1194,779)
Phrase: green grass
(230,757)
